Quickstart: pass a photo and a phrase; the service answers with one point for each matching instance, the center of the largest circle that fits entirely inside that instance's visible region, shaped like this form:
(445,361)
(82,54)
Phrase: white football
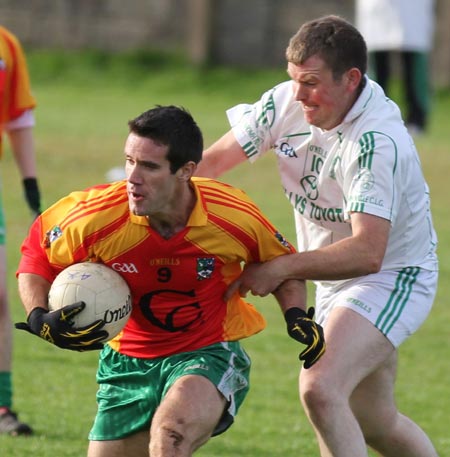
(105,292)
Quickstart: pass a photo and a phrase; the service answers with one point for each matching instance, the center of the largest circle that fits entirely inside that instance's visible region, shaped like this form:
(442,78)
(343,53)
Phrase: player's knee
(173,434)
(317,397)
(167,435)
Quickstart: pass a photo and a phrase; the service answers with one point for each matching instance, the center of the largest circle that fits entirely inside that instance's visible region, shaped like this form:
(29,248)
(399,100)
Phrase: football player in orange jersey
(177,374)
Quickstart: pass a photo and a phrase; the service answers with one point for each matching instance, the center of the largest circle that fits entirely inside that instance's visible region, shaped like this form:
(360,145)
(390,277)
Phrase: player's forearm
(33,291)
(22,145)
(290,294)
(357,255)
(348,258)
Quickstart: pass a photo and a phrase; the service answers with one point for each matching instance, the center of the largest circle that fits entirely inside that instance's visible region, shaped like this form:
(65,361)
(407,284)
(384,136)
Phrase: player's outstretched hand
(57,328)
(301,327)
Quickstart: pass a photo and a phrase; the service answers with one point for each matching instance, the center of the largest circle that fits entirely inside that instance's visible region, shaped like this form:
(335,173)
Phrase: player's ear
(353,78)
(185,172)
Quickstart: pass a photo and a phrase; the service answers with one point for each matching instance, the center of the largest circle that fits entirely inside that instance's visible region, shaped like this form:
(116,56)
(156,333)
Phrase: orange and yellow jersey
(177,284)
(15,92)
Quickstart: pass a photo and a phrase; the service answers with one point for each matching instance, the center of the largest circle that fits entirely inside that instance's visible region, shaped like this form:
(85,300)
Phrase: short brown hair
(337,42)
(174,127)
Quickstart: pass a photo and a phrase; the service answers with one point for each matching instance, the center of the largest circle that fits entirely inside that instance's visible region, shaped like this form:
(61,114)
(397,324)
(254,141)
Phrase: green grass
(85,101)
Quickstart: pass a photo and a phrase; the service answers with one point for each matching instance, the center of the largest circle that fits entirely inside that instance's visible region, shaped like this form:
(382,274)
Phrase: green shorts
(130,389)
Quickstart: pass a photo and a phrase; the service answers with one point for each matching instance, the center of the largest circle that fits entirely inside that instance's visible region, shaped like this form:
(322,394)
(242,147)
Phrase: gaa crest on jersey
(52,235)
(205,267)
(281,239)
(363,181)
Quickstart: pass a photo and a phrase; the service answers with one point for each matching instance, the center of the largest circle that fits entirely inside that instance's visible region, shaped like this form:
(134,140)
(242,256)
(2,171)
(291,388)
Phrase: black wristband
(293,313)
(32,194)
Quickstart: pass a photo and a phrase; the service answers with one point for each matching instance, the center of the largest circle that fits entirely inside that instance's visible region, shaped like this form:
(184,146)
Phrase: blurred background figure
(17,122)
(405,27)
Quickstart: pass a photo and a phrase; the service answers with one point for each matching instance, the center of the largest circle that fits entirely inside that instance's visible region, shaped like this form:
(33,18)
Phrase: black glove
(57,328)
(32,195)
(301,327)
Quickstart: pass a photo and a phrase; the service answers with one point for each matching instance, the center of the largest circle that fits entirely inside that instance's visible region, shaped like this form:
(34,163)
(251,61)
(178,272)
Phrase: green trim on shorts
(130,389)
(398,299)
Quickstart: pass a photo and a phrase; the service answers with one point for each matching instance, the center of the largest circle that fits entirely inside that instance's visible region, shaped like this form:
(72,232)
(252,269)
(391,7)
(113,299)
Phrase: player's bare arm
(22,142)
(290,294)
(358,255)
(222,156)
(33,291)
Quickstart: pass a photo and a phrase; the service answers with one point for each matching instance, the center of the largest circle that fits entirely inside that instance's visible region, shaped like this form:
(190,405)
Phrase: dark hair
(174,127)
(337,42)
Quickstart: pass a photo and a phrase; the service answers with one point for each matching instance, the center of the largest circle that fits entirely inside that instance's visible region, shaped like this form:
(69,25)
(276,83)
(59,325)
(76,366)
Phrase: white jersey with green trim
(366,164)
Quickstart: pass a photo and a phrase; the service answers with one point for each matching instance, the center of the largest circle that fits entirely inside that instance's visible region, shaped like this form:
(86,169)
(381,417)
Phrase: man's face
(151,187)
(324,100)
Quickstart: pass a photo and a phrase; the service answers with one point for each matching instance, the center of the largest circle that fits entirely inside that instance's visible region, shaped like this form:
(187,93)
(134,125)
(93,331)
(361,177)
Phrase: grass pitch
(84,103)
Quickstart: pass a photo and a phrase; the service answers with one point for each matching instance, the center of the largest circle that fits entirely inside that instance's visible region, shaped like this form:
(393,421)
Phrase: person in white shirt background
(405,28)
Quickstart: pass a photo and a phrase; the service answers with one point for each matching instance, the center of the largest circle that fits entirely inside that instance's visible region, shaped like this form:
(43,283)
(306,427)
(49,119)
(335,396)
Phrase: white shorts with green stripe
(396,302)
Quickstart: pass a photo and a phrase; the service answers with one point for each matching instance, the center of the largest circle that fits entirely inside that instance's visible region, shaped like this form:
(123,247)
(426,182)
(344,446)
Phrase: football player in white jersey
(365,234)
